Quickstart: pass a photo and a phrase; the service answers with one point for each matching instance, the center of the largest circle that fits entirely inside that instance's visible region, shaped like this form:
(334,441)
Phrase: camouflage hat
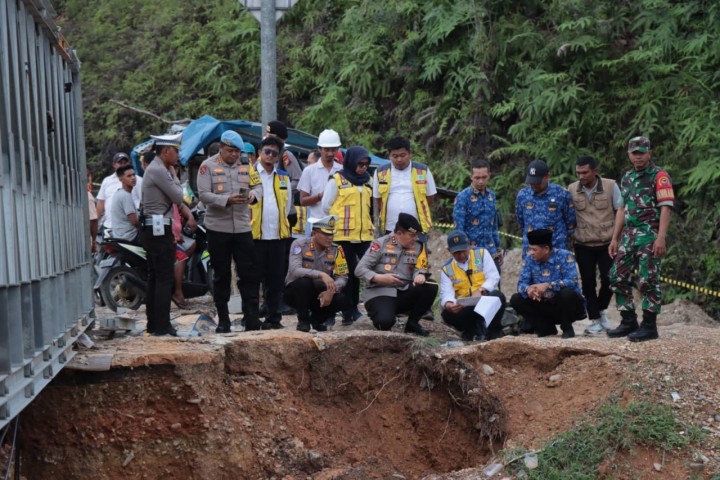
(639,144)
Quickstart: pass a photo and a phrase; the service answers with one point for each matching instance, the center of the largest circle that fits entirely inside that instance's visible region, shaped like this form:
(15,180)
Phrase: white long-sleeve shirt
(492,278)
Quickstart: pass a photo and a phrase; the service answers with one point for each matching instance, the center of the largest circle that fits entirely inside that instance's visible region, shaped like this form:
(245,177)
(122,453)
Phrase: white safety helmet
(329,138)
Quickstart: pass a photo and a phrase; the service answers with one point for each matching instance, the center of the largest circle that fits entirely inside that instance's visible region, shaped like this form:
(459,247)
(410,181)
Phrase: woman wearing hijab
(348,197)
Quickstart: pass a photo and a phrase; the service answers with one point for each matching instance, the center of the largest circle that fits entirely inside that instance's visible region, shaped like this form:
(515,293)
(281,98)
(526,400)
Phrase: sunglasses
(364,164)
(271,152)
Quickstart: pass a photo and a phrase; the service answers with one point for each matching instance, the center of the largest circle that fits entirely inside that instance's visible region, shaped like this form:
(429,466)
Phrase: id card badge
(158,225)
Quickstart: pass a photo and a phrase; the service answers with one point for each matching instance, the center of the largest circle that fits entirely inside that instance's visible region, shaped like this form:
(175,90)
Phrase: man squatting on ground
(317,274)
(470,273)
(548,290)
(395,272)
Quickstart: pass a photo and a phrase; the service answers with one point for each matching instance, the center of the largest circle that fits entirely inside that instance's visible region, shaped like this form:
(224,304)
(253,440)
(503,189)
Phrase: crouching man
(548,287)
(317,273)
(470,275)
(395,271)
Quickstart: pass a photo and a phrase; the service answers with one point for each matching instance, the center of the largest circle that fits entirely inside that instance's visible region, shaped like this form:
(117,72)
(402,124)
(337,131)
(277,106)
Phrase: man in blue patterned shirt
(475,212)
(544,205)
(548,287)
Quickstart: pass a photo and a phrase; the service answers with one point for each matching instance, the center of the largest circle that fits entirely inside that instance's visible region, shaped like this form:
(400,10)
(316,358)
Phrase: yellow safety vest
(464,283)
(301,220)
(419,177)
(281,183)
(352,208)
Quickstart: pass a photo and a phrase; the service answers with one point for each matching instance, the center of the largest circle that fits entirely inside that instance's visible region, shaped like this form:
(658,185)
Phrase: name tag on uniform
(158,225)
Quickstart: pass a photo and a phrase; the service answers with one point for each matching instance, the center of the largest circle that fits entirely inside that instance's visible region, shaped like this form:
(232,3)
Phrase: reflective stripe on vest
(281,183)
(462,282)
(418,179)
(352,208)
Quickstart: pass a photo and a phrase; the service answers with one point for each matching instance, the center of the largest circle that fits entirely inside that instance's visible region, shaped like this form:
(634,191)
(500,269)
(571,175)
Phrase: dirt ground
(354,403)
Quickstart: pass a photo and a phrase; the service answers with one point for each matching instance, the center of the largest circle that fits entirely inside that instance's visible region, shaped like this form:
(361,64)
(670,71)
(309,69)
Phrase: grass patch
(577,454)
(422,344)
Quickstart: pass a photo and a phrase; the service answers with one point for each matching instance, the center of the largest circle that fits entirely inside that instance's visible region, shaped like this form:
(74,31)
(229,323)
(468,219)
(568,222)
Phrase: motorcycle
(122,272)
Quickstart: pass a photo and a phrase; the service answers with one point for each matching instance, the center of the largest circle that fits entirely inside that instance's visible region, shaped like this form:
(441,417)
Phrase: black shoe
(303,326)
(253,325)
(223,328)
(351,317)
(330,322)
(428,316)
(628,325)
(547,333)
(286,310)
(479,338)
(416,329)
(467,336)
(526,326)
(165,331)
(266,325)
(568,333)
(320,328)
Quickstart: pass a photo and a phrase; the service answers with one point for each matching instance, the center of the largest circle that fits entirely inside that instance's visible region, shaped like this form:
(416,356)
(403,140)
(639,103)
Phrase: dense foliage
(510,81)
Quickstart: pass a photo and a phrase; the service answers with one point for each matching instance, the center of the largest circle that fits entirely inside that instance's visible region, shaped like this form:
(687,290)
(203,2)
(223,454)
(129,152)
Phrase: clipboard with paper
(487,307)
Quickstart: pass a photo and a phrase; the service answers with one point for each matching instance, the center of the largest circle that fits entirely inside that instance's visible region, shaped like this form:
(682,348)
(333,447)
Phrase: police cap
(409,223)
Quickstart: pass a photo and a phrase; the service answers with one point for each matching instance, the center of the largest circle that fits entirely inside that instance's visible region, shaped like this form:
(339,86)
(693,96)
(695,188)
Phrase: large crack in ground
(357,406)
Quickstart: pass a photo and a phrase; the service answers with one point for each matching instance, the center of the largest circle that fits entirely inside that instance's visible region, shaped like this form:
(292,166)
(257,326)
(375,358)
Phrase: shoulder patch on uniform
(663,187)
(296,250)
(203,169)
(374,247)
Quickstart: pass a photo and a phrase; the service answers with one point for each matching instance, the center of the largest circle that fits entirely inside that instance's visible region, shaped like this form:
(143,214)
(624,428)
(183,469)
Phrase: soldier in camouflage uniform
(638,241)
(544,205)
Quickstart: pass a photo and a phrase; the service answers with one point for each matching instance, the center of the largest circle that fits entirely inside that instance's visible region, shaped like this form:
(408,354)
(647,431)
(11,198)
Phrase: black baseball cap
(120,156)
(536,171)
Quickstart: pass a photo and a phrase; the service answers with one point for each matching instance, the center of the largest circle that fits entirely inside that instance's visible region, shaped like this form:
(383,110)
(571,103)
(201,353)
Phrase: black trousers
(353,253)
(302,295)
(161,278)
(224,248)
(414,301)
(590,260)
(471,324)
(566,307)
(270,264)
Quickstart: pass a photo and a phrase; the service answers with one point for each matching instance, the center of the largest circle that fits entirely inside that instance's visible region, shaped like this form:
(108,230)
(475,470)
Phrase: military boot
(647,330)
(628,324)
(223,319)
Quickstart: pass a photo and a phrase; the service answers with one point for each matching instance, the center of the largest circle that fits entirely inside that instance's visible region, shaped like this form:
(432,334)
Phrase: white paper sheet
(487,307)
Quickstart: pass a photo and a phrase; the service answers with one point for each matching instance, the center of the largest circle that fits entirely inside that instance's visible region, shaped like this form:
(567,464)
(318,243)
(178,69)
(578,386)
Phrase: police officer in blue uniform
(544,205)
(548,287)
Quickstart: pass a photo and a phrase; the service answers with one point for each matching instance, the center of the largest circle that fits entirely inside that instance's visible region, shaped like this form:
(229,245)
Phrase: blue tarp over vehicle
(202,132)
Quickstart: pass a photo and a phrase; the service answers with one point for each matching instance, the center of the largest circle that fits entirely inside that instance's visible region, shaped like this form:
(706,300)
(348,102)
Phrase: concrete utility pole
(268,62)
(268,12)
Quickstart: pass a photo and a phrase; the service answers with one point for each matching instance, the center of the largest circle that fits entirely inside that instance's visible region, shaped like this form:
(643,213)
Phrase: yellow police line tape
(670,281)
